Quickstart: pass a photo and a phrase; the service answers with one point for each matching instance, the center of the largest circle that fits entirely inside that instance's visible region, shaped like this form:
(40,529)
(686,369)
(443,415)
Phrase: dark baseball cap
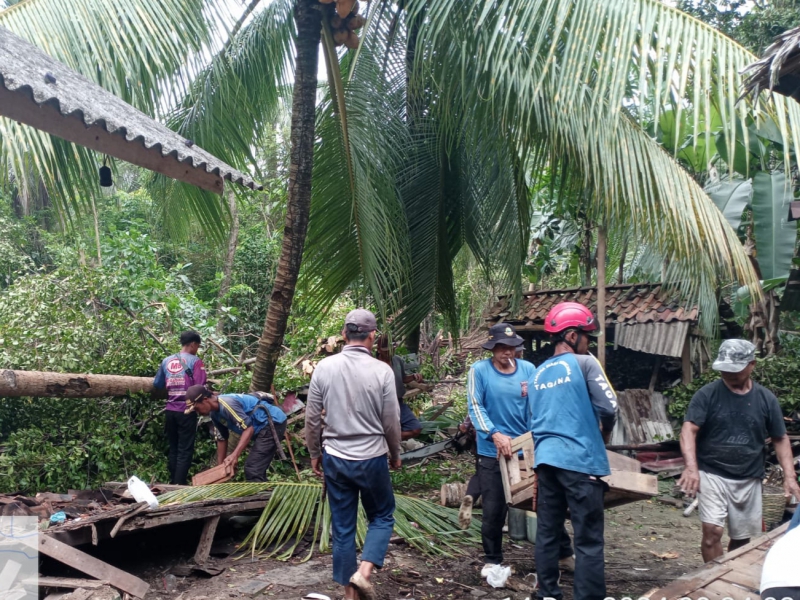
(502,333)
(363,320)
(195,394)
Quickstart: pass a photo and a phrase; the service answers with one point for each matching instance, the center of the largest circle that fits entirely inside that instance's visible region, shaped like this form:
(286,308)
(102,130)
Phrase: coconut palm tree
(429,137)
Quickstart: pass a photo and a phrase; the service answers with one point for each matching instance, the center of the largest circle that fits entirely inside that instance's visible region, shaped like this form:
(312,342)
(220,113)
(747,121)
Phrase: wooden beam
(66,582)
(601,294)
(206,540)
(90,565)
(686,361)
(20,106)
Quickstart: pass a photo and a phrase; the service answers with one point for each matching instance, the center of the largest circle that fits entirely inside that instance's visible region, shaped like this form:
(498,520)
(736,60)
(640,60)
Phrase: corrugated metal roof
(666,339)
(642,418)
(40,91)
(628,303)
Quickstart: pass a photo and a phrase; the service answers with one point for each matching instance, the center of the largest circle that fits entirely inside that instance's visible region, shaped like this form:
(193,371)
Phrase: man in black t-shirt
(723,441)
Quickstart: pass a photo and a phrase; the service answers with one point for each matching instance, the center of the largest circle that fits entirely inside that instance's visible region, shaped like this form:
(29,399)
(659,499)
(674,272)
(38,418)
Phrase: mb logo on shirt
(557,378)
(174,366)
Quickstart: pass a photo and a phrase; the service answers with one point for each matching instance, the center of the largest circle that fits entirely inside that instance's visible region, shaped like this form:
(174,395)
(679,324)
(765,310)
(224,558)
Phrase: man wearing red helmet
(573,410)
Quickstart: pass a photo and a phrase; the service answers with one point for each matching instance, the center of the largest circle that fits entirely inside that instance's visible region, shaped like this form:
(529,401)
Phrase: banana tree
(769,242)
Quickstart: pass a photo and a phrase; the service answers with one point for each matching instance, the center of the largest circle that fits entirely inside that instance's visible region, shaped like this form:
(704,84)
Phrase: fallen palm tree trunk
(16,384)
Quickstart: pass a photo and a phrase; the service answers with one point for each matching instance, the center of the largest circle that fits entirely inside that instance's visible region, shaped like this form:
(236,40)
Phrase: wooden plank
(147,521)
(66,582)
(206,539)
(706,594)
(638,483)
(759,541)
(504,476)
(519,442)
(90,565)
(754,557)
(727,589)
(525,483)
(514,475)
(685,585)
(620,462)
(522,498)
(747,576)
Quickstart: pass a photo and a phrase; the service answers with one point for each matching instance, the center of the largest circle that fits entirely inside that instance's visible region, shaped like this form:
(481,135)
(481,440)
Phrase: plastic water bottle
(140,492)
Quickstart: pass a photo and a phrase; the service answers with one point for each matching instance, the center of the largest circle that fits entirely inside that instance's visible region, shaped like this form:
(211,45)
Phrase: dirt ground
(637,537)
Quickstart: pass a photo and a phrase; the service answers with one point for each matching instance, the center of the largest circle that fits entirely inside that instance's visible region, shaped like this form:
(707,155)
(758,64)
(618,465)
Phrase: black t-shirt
(733,429)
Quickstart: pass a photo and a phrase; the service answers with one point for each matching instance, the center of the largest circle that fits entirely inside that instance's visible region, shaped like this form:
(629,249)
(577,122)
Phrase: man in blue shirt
(573,411)
(499,406)
(246,415)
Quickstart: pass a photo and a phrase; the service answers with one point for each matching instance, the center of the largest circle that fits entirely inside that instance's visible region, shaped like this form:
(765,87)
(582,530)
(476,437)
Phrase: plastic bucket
(530,526)
(516,524)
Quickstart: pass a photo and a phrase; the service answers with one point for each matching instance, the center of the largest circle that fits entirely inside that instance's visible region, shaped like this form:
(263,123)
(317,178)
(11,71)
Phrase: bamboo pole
(601,294)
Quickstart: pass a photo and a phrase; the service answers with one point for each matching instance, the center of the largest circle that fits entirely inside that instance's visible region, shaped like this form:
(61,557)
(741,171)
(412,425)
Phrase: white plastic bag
(140,492)
(498,575)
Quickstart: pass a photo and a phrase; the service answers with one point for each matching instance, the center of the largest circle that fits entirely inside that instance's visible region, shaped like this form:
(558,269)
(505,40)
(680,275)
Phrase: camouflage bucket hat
(734,356)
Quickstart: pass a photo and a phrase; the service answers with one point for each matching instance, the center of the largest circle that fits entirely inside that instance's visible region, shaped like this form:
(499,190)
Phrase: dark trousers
(495,509)
(474,483)
(489,483)
(262,452)
(345,481)
(181,430)
(560,489)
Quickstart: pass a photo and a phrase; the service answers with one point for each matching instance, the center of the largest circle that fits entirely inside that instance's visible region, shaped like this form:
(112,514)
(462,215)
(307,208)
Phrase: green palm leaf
(558,74)
(122,47)
(294,510)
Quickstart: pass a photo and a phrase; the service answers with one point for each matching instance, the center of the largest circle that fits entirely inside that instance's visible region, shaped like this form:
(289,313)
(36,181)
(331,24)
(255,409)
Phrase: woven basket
(773,504)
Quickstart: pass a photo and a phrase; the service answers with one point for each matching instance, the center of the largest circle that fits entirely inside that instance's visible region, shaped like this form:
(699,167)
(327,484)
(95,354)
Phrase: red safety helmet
(569,315)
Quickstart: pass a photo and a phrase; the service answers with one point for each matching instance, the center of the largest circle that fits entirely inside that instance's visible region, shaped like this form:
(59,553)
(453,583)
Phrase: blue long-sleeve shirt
(570,398)
(498,402)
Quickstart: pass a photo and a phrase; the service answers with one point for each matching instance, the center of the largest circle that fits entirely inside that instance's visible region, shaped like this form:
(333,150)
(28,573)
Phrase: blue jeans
(345,480)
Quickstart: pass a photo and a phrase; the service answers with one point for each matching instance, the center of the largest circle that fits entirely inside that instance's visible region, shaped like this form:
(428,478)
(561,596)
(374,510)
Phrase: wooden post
(601,294)
(686,361)
(206,539)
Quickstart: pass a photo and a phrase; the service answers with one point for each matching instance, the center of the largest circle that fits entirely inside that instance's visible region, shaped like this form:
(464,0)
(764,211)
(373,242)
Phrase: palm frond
(294,511)
(357,228)
(119,45)
(557,74)
(228,108)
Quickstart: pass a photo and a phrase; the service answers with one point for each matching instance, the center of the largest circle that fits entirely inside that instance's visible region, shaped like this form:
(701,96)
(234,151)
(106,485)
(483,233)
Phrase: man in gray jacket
(362,425)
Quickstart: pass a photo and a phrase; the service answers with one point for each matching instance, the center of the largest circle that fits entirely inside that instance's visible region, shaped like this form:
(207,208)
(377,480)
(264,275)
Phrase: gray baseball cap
(734,356)
(363,319)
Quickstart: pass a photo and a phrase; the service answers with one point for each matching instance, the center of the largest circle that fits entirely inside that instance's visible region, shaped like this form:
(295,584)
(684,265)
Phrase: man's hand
(418,377)
(231,460)
(395,464)
(502,443)
(690,482)
(791,488)
(316,466)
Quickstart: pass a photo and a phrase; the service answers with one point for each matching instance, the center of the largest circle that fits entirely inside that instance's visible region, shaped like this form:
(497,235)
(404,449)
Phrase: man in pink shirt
(177,373)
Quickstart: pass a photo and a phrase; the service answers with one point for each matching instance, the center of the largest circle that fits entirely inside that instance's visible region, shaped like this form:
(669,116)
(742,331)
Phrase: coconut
(344,7)
(351,41)
(337,22)
(355,22)
(327,1)
(340,36)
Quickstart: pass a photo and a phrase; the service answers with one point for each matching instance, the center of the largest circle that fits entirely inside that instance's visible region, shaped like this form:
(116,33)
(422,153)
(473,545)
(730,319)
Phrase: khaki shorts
(733,500)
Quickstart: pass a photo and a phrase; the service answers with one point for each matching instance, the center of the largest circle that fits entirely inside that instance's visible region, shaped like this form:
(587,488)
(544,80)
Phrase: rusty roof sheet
(628,304)
(38,90)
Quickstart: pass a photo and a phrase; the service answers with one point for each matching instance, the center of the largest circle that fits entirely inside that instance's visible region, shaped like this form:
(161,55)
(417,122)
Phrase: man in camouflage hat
(722,441)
